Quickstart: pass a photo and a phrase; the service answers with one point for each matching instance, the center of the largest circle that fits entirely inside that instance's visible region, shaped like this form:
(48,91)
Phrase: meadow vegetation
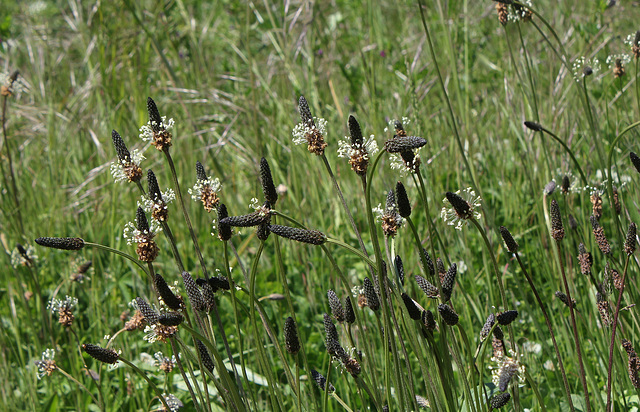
(319,205)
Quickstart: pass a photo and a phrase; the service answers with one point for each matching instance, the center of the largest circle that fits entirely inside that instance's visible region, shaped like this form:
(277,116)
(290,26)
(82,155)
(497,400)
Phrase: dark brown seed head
(503,12)
(429,269)
(101,354)
(428,320)
(587,71)
(603,309)
(141,221)
(635,47)
(336,306)
(305,112)
(497,345)
(336,350)
(448,282)
(411,161)
(193,293)
(596,202)
(601,238)
(635,160)
(506,317)
(536,127)
(150,315)
(440,268)
(166,294)
(404,206)
(64,243)
(85,267)
(200,172)
(154,190)
(349,314)
(170,319)
(412,309)
(566,184)
(462,207)
(252,219)
(486,329)
(291,341)
(121,148)
(400,144)
(498,333)
(331,333)
(449,316)
(585,260)
(512,245)
(208,293)
(630,241)
(224,230)
(399,128)
(616,201)
(430,290)
(312,237)
(399,269)
(499,400)
(219,283)
(207,362)
(268,188)
(372,297)
(565,299)
(557,230)
(321,381)
(355,132)
(154,115)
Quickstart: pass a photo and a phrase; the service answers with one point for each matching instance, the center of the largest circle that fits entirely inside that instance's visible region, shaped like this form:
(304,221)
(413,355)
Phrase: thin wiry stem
(613,336)
(575,329)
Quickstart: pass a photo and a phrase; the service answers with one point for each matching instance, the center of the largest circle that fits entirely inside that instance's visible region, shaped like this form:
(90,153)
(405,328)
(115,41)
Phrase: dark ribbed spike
(204,355)
(430,269)
(336,306)
(428,320)
(400,269)
(506,317)
(499,400)
(412,309)
(536,127)
(355,132)
(170,319)
(449,315)
(101,354)
(193,293)
(630,241)
(401,144)
(168,297)
(430,290)
(154,115)
(635,160)
(370,293)
(557,230)
(512,245)
(224,230)
(268,188)
(141,221)
(305,112)
(329,328)
(121,147)
(64,243)
(150,315)
(312,237)
(321,381)
(248,220)
(349,314)
(486,329)
(154,190)
(219,282)
(404,206)
(200,172)
(461,206)
(601,238)
(291,340)
(449,281)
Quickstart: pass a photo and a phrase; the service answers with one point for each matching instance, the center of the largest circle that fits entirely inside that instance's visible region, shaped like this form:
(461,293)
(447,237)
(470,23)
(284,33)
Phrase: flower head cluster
(133,235)
(64,308)
(507,370)
(21,256)
(517,13)
(394,122)
(173,403)
(46,365)
(157,207)
(11,83)
(312,133)
(389,216)
(128,169)
(164,363)
(159,332)
(358,153)
(158,132)
(633,41)
(206,191)
(584,67)
(458,214)
(617,63)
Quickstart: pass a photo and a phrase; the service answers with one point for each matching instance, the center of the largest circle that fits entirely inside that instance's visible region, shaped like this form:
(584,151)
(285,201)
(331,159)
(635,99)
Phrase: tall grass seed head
(565,299)
(520,13)
(101,354)
(499,400)
(399,268)
(150,315)
(428,320)
(127,168)
(349,313)
(359,153)
(448,281)
(449,316)
(224,230)
(156,202)
(412,309)
(601,238)
(205,189)
(63,243)
(321,381)
(167,295)
(46,364)
(507,370)
(557,230)
(617,63)
(64,309)
(509,241)
(371,296)
(291,340)
(310,130)
(503,13)
(486,328)
(459,207)
(404,205)
(630,242)
(584,259)
(164,363)
(142,234)
(596,203)
(336,306)
(584,67)
(158,129)
(604,308)
(633,41)
(390,218)
(430,269)
(268,188)
(429,289)
(193,292)
(312,237)
(11,83)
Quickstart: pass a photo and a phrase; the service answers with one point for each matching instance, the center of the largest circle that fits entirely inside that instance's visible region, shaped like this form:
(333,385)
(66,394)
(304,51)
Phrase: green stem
(117,252)
(146,378)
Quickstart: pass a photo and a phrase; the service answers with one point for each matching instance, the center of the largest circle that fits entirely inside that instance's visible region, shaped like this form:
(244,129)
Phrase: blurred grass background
(230,74)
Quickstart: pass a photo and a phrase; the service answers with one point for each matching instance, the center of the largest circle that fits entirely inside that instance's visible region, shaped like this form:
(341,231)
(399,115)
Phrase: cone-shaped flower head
(311,130)
(268,188)
(630,241)
(372,297)
(601,238)
(404,206)
(460,207)
(312,237)
(336,306)
(101,354)
(512,245)
(412,309)
(557,230)
(447,313)
(166,294)
(206,189)
(64,243)
(157,130)
(349,313)
(291,340)
(128,165)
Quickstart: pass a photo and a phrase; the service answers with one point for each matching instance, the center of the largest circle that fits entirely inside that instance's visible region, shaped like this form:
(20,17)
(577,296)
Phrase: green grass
(230,75)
